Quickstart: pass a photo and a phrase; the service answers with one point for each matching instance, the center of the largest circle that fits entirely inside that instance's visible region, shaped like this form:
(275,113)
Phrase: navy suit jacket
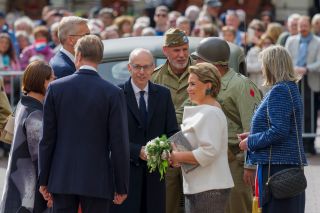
(62,65)
(84,149)
(161,120)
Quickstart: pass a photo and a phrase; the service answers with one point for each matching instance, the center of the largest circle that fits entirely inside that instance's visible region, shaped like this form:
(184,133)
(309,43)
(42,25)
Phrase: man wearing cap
(211,8)
(173,74)
(238,97)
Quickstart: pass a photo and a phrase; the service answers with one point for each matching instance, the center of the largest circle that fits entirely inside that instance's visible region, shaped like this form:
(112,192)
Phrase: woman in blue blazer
(274,124)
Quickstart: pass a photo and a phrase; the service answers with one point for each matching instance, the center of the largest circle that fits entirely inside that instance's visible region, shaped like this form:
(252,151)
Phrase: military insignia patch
(185,39)
(251,92)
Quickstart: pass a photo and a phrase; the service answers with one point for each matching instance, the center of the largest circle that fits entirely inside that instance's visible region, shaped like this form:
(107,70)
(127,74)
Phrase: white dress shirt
(69,54)
(87,67)
(136,91)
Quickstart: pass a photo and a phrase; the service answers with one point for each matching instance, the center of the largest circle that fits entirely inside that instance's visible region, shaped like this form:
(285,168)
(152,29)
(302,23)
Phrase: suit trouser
(174,191)
(63,203)
(240,200)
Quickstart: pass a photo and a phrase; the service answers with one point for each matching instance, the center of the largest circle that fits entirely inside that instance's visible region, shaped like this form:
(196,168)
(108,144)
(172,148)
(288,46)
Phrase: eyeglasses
(161,15)
(256,29)
(81,35)
(138,67)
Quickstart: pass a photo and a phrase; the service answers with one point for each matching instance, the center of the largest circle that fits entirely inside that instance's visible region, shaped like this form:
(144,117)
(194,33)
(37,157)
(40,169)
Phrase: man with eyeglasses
(150,114)
(173,74)
(70,30)
(161,20)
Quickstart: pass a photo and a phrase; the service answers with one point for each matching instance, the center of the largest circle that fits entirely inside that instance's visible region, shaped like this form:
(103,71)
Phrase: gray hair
(293,17)
(24,20)
(192,12)
(90,47)
(182,20)
(315,18)
(148,31)
(68,25)
(137,51)
(106,10)
(54,27)
(277,65)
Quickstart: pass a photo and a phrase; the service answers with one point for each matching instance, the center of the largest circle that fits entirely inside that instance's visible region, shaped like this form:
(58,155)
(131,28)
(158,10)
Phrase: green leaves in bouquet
(158,151)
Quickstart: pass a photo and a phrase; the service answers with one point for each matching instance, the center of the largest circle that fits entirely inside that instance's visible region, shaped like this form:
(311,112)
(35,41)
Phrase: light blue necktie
(303,50)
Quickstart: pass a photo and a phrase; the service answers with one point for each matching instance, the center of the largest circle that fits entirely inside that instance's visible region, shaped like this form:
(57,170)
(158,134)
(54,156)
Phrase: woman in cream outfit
(207,187)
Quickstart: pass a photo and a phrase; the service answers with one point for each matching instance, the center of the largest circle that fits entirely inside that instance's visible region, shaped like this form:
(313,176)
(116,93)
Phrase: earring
(208,91)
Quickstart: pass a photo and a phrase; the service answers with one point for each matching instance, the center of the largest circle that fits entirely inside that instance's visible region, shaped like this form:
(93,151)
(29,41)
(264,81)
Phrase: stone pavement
(313,189)
(312,173)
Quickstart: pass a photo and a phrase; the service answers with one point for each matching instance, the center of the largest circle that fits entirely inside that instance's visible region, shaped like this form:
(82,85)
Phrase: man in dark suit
(84,152)
(70,30)
(150,114)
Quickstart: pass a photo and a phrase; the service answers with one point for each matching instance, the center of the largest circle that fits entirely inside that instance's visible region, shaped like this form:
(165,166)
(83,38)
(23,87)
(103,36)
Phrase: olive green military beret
(175,37)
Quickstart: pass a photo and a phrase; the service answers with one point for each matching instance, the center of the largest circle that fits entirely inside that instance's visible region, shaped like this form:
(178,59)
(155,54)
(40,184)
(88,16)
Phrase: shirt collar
(306,39)
(69,54)
(87,67)
(137,90)
(184,74)
(225,79)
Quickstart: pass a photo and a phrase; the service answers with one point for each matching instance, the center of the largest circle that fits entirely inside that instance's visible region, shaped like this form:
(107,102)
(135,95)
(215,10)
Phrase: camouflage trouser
(240,200)
(174,191)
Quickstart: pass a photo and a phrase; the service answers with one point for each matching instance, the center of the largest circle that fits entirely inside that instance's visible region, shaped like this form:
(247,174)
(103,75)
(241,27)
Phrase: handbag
(6,134)
(288,182)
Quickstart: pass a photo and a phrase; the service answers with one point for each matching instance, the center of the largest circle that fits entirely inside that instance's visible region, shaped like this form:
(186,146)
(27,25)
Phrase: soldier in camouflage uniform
(173,74)
(238,97)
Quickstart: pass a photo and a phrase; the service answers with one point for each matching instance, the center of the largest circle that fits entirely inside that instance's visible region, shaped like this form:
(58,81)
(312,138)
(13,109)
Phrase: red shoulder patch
(252,92)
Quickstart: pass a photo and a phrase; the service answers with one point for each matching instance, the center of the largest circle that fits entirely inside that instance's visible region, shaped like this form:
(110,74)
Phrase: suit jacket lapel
(68,60)
(152,100)
(132,101)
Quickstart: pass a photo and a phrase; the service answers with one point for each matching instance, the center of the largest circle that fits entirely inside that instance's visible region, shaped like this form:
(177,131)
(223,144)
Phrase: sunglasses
(257,29)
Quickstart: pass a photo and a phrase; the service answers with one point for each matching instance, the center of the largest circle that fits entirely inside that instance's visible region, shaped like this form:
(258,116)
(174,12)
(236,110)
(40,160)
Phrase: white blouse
(206,129)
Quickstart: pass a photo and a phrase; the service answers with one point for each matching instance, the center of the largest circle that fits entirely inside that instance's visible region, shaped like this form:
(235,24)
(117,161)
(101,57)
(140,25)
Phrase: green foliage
(158,151)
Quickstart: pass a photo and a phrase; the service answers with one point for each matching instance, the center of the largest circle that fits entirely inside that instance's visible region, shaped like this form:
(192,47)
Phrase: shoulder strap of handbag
(295,121)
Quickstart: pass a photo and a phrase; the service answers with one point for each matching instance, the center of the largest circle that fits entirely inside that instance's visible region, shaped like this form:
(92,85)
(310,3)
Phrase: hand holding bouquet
(158,151)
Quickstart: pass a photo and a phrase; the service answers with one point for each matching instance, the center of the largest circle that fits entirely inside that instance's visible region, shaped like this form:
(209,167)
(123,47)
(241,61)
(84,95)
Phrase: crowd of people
(75,150)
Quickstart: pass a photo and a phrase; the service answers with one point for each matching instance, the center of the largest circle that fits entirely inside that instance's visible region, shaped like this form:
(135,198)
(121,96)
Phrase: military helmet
(213,50)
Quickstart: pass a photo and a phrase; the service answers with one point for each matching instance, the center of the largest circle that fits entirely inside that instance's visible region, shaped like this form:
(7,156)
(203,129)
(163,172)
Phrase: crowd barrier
(15,76)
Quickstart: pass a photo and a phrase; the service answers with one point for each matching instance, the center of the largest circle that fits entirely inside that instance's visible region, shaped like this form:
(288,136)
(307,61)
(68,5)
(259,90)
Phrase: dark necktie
(143,108)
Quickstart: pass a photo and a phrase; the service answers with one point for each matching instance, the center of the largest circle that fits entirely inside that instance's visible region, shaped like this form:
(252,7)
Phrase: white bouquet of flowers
(158,151)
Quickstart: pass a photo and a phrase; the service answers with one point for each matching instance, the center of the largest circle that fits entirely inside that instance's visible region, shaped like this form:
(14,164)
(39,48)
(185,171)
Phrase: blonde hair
(274,30)
(207,73)
(263,38)
(277,65)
